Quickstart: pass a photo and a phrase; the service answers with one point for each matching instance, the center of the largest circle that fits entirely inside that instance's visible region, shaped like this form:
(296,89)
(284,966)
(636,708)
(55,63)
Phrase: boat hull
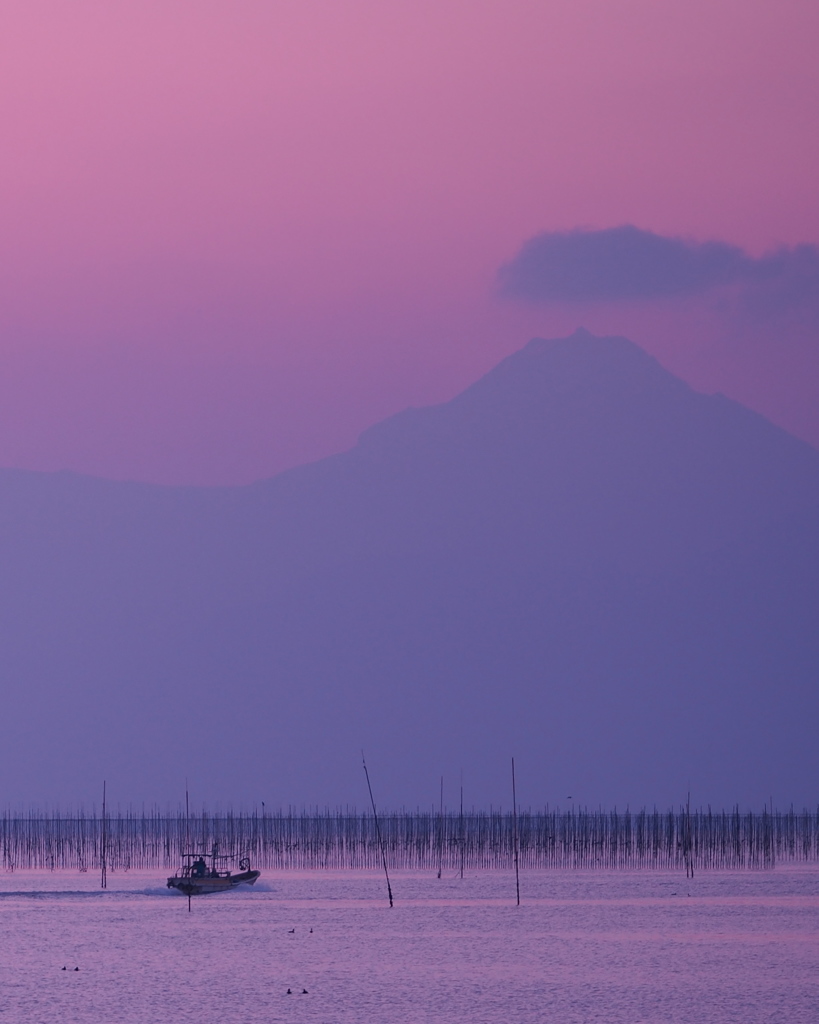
(209,884)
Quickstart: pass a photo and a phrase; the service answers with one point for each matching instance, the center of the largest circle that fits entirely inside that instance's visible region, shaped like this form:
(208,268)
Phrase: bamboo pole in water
(687,843)
(441,832)
(462,843)
(515,832)
(104,844)
(377,829)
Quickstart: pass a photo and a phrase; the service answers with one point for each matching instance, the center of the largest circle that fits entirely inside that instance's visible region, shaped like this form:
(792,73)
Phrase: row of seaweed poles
(417,840)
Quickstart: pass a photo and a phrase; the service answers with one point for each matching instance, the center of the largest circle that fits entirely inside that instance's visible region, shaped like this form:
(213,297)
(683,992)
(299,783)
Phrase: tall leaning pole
(378,829)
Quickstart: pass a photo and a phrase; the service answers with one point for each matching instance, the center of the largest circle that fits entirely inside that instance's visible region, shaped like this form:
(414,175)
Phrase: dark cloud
(626,263)
(784,284)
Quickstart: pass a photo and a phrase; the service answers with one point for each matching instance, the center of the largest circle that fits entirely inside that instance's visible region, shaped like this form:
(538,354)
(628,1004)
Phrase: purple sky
(232,235)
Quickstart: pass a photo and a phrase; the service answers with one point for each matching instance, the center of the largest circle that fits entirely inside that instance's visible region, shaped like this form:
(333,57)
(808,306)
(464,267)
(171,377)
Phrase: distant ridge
(578,560)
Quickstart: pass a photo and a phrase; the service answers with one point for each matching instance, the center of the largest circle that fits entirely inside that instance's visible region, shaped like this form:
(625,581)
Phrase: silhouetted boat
(197,877)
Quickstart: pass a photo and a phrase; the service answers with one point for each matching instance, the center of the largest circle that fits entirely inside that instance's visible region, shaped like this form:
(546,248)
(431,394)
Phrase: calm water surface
(621,948)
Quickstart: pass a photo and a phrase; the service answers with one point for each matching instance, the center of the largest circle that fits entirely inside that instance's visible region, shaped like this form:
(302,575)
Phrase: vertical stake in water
(104,844)
(463,837)
(441,832)
(378,829)
(688,843)
(187,829)
(515,832)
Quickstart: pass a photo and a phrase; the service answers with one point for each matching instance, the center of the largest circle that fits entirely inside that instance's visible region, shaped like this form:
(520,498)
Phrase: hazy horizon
(578,561)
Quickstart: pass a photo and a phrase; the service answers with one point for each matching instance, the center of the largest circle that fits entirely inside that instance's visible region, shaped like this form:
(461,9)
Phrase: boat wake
(48,894)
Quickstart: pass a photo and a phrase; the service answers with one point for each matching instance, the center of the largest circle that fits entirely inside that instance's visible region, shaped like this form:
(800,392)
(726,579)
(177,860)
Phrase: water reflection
(614,947)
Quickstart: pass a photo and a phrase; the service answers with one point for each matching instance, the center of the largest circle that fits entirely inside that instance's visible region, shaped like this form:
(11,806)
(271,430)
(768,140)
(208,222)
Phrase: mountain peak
(586,353)
(581,378)
(582,371)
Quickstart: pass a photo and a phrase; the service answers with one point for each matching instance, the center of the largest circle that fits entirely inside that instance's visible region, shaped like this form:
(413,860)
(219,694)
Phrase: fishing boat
(198,877)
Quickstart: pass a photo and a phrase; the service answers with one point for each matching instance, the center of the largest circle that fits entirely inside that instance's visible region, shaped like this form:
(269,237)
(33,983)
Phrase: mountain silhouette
(578,561)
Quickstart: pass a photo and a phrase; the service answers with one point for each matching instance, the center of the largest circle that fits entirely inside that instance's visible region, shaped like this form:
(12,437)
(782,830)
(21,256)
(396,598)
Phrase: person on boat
(199,868)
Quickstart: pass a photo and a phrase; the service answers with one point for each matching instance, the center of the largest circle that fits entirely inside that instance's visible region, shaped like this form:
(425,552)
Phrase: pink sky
(233,234)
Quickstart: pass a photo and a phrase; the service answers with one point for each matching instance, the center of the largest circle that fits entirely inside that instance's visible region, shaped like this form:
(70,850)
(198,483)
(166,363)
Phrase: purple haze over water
(612,947)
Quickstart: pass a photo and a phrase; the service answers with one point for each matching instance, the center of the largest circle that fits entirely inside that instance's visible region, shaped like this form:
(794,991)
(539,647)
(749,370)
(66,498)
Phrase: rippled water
(624,947)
